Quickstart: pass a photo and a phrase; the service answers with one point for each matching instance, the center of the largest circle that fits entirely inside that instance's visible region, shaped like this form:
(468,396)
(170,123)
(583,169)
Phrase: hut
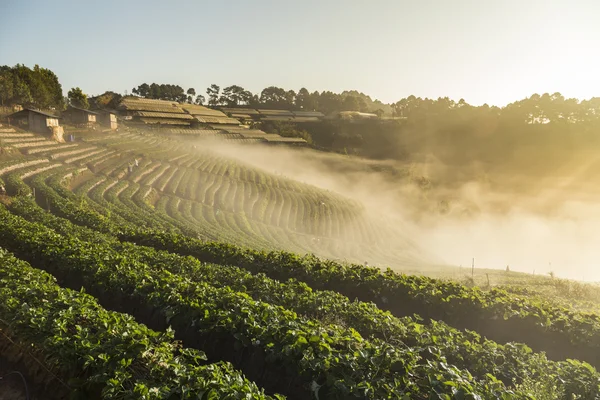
(156,113)
(35,120)
(208,116)
(80,116)
(108,119)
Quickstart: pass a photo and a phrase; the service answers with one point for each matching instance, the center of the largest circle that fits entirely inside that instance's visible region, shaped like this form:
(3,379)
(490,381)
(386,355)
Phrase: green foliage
(334,360)
(37,87)
(213,94)
(161,92)
(103,354)
(235,95)
(468,351)
(77,98)
(108,100)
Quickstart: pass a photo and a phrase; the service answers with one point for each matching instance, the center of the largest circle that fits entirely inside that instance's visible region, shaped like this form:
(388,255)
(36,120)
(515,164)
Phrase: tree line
(540,130)
(270,97)
(37,87)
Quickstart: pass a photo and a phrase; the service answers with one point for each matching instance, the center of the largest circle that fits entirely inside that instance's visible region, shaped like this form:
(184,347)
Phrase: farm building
(80,116)
(353,115)
(154,112)
(108,119)
(245,114)
(208,116)
(250,114)
(35,120)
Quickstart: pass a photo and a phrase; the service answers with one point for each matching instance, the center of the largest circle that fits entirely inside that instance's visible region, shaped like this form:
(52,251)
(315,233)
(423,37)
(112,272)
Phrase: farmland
(198,275)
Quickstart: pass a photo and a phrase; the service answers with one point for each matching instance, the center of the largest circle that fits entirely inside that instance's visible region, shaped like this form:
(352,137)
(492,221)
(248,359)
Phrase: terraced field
(196,285)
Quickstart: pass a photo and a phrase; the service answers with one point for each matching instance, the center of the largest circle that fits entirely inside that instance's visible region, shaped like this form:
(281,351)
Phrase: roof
(195,109)
(82,109)
(357,114)
(26,110)
(253,134)
(308,114)
(277,118)
(235,110)
(306,119)
(141,100)
(153,114)
(216,120)
(241,116)
(286,113)
(193,131)
(148,107)
(139,104)
(241,130)
(163,121)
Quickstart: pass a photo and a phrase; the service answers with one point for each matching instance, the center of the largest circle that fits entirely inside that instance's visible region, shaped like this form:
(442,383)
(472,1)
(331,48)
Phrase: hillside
(210,270)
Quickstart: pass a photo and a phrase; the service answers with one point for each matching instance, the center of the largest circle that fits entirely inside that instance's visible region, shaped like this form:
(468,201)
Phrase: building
(154,113)
(108,119)
(81,116)
(209,117)
(35,120)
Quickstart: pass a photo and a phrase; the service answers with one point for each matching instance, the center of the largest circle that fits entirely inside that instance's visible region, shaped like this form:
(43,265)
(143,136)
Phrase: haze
(553,231)
(483,51)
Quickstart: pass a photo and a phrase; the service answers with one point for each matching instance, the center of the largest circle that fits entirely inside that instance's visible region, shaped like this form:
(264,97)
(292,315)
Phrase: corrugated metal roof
(241,116)
(278,113)
(162,121)
(306,119)
(141,100)
(252,134)
(193,131)
(216,120)
(201,110)
(153,114)
(308,114)
(26,110)
(83,109)
(277,118)
(152,108)
(232,110)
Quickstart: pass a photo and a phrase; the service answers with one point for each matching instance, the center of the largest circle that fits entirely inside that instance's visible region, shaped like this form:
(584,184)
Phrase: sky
(485,51)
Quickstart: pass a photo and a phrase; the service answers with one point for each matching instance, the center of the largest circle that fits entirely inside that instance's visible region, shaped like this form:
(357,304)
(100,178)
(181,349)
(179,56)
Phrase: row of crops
(277,348)
(227,201)
(476,360)
(215,320)
(94,353)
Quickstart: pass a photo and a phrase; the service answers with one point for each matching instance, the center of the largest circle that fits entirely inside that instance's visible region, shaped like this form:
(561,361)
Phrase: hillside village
(164,117)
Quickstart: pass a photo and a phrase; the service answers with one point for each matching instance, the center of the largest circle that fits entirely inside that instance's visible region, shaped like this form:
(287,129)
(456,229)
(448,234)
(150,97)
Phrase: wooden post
(473,269)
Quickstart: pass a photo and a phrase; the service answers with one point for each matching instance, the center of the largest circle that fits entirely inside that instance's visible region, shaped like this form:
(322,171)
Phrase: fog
(530,224)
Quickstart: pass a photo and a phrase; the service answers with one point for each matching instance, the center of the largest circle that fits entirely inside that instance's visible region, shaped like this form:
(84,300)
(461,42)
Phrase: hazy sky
(482,51)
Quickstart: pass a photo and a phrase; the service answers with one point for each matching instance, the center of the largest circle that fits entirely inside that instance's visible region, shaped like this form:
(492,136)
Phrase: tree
(274,97)
(77,98)
(6,85)
(213,95)
(379,112)
(350,104)
(235,95)
(303,99)
(191,92)
(142,90)
(330,102)
(107,99)
(200,100)
(290,98)
(38,87)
